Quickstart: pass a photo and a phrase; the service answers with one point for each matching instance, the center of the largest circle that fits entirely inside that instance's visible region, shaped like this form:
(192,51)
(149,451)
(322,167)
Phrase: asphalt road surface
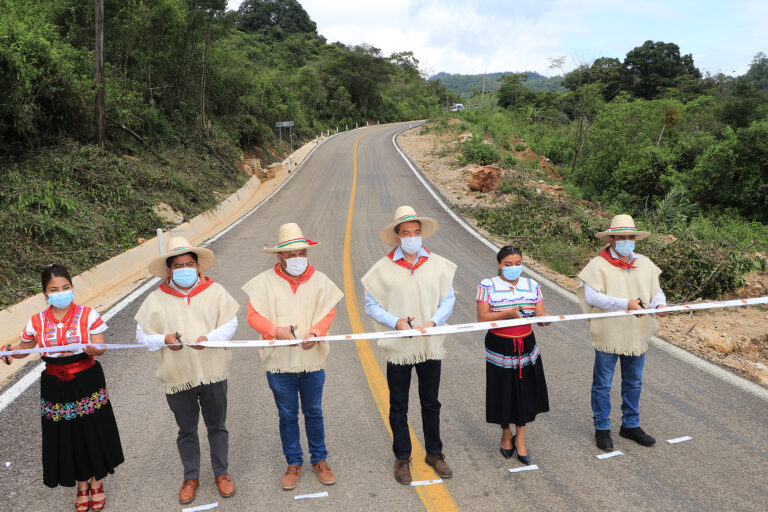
(723,467)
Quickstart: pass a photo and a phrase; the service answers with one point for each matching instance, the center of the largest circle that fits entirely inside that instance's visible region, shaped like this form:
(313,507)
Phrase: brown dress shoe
(226,485)
(187,492)
(291,477)
(437,461)
(403,471)
(324,473)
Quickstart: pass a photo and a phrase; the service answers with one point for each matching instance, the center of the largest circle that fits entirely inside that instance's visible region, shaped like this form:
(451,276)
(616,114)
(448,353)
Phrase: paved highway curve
(341,197)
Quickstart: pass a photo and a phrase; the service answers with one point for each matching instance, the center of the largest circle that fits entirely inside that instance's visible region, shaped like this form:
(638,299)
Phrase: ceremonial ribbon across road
(407,333)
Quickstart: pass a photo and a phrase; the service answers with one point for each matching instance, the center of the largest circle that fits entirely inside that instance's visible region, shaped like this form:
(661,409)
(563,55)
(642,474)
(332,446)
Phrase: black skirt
(512,395)
(80,437)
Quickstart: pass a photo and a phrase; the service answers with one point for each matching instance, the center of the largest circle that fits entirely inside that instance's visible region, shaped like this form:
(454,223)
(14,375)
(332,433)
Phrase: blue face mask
(61,300)
(625,247)
(512,273)
(185,277)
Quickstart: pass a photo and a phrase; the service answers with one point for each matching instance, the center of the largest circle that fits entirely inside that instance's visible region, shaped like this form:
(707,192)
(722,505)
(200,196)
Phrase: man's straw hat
(177,246)
(290,238)
(407,214)
(622,225)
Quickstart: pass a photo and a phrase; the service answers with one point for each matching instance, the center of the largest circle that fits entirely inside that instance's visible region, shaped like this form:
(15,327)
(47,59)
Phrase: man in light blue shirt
(412,288)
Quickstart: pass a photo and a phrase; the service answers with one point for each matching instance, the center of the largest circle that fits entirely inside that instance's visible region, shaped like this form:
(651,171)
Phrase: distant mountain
(463,84)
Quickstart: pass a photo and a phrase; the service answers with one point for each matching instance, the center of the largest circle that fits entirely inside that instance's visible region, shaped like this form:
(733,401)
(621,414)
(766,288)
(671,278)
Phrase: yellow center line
(435,497)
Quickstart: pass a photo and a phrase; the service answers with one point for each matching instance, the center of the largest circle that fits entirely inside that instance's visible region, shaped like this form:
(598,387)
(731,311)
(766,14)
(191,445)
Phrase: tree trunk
(100,114)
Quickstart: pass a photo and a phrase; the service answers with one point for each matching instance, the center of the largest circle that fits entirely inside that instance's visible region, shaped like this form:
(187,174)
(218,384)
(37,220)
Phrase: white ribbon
(407,333)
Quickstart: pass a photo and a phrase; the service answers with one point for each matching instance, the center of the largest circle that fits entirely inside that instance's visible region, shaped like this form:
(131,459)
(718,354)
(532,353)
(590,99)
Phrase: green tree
(655,66)
(757,75)
(275,18)
(512,92)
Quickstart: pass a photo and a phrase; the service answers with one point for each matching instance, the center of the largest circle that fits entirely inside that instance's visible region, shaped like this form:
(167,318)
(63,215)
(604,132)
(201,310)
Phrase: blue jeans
(288,388)
(631,385)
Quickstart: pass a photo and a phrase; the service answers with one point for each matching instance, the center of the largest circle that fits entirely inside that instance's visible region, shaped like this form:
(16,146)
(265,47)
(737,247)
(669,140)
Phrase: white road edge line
(701,364)
(32,375)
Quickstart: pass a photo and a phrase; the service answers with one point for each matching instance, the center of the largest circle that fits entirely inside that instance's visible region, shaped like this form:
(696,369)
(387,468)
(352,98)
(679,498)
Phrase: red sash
(66,372)
(205,282)
(403,262)
(616,262)
(295,281)
(515,333)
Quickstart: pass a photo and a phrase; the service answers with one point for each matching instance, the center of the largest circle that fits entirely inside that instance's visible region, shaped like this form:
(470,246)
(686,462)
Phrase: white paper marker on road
(609,455)
(524,468)
(201,507)
(427,482)
(315,495)
(679,439)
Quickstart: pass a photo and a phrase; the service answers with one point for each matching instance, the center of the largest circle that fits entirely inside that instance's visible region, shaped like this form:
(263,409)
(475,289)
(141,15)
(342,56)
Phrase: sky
(470,36)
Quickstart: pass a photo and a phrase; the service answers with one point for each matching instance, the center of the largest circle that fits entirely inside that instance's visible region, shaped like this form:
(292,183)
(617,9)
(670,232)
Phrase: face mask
(296,266)
(411,245)
(61,300)
(625,247)
(512,273)
(185,277)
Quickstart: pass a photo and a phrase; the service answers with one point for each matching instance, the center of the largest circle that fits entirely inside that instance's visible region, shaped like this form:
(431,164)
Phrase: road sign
(285,124)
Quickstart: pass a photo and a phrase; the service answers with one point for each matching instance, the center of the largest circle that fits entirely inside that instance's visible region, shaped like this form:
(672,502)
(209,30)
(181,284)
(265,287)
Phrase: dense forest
(685,152)
(190,87)
(470,86)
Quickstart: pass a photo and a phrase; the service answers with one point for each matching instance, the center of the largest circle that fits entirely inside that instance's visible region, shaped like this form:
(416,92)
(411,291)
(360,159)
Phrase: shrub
(477,152)
(520,146)
(508,161)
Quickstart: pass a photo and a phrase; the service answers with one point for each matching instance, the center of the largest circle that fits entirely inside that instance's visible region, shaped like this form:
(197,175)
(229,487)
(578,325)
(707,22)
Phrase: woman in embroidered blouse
(74,403)
(516,390)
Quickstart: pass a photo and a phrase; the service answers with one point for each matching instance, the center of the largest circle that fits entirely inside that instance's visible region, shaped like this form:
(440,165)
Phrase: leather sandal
(98,505)
(82,507)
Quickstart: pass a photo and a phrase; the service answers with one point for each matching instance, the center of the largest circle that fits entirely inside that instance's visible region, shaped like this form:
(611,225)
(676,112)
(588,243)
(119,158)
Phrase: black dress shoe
(603,439)
(637,435)
(525,459)
(508,453)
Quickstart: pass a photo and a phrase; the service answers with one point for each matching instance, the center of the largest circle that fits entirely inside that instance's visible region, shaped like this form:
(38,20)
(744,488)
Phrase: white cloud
(470,36)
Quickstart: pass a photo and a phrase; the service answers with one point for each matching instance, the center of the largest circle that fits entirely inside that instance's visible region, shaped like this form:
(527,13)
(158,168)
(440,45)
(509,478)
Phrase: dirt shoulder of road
(736,338)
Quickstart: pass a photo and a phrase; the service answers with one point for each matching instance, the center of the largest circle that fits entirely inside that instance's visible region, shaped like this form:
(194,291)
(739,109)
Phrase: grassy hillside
(190,87)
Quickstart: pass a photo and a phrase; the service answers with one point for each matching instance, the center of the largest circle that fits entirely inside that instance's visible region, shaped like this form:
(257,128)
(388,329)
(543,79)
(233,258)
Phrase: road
(724,466)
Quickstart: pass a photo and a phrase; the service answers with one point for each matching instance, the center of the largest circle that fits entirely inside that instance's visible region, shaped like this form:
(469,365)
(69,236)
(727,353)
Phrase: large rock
(485,178)
(251,166)
(167,214)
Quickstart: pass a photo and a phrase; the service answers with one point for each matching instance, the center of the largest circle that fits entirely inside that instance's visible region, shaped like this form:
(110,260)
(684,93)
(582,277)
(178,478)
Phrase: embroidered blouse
(502,296)
(77,326)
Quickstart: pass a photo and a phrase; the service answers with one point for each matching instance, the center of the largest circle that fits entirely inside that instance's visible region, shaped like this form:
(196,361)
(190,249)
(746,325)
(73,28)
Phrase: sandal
(98,505)
(82,507)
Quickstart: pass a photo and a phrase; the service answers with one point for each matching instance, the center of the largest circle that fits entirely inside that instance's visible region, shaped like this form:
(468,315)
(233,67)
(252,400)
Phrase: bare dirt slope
(734,338)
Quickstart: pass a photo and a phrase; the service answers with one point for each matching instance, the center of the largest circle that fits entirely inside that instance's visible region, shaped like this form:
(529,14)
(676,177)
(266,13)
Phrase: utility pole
(100,114)
(483,95)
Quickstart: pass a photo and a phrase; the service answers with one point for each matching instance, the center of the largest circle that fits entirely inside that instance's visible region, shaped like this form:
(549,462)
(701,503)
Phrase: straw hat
(407,214)
(290,238)
(622,225)
(177,246)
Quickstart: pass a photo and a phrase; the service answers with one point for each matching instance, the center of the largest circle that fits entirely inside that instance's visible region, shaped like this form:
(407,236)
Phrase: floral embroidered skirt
(80,437)
(513,395)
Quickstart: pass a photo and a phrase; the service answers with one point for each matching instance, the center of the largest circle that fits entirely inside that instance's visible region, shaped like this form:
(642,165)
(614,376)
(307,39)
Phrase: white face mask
(296,265)
(411,244)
